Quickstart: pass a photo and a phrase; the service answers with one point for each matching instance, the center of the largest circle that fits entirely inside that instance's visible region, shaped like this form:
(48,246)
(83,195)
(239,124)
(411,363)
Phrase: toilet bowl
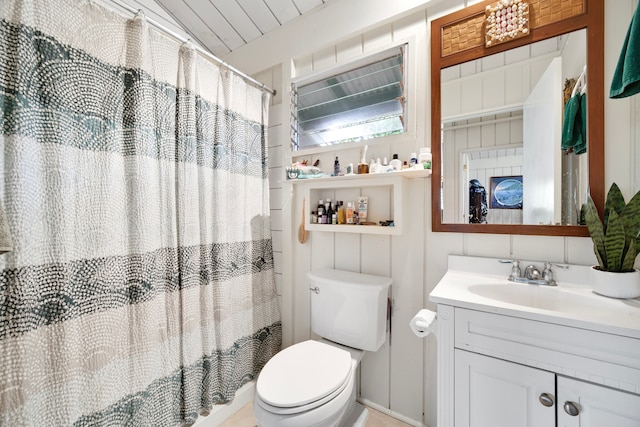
(308,384)
(313,383)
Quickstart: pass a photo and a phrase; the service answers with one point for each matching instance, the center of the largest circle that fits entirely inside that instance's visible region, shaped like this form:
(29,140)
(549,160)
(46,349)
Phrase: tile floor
(244,418)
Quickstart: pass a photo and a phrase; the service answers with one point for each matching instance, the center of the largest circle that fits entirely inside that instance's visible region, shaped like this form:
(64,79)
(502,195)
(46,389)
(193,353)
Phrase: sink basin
(540,297)
(481,284)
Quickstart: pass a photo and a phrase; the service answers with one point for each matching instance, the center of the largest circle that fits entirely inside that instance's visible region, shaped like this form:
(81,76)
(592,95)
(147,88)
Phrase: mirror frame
(592,19)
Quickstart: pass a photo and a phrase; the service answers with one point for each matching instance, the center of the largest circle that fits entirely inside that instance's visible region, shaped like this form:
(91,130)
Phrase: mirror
(497,117)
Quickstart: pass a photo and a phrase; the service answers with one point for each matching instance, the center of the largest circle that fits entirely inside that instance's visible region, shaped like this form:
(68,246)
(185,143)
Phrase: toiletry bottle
(424,158)
(349,213)
(329,210)
(395,163)
(320,212)
(363,167)
(413,160)
(405,165)
(314,217)
(362,208)
(341,215)
(336,167)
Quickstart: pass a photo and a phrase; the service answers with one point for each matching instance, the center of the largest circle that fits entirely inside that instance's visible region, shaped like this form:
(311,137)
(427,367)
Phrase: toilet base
(356,415)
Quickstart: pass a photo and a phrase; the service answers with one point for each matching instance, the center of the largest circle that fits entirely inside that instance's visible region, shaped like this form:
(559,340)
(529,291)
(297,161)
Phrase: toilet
(313,383)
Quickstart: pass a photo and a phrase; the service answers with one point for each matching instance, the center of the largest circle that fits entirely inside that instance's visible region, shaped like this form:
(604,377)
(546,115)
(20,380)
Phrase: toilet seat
(304,376)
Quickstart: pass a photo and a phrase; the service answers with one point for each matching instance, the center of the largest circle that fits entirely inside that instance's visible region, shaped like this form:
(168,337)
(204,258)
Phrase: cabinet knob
(546,399)
(571,408)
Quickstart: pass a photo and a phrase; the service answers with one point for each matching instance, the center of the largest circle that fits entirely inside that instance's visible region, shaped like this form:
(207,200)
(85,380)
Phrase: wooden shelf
(408,173)
(360,229)
(386,192)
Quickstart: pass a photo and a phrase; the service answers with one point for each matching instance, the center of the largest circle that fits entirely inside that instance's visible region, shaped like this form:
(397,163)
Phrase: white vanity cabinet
(500,370)
(519,355)
(597,405)
(492,392)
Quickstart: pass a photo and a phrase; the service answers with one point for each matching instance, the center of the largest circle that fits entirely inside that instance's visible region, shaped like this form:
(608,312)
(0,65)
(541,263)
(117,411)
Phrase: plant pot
(615,284)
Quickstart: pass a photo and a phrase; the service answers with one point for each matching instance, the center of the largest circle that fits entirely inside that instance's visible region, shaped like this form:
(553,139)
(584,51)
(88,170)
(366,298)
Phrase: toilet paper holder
(424,323)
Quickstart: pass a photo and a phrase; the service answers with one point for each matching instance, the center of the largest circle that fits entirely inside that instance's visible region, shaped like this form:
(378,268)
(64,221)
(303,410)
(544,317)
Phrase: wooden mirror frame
(589,16)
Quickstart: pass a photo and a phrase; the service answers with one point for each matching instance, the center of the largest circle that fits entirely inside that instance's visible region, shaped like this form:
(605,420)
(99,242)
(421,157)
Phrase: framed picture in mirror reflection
(505,192)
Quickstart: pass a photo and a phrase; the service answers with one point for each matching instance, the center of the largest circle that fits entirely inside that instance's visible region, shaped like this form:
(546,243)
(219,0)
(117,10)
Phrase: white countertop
(481,284)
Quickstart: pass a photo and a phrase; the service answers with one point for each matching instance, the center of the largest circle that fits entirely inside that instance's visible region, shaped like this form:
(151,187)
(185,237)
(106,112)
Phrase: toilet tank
(349,308)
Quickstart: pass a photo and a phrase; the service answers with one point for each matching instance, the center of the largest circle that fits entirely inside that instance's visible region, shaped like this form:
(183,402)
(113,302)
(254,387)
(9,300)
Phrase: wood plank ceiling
(222,26)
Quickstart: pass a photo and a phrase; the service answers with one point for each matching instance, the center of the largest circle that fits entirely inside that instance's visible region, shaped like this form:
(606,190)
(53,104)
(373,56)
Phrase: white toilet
(312,383)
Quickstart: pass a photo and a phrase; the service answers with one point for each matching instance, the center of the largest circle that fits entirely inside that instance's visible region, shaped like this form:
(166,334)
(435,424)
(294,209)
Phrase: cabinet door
(491,392)
(596,406)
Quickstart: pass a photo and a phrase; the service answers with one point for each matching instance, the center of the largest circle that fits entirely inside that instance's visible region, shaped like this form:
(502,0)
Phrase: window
(363,103)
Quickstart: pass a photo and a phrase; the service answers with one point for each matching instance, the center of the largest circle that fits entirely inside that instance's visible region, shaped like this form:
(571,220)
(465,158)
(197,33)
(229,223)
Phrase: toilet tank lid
(326,275)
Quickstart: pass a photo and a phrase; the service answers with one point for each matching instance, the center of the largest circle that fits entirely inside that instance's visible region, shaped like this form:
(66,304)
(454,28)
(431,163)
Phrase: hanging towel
(580,146)
(574,137)
(626,78)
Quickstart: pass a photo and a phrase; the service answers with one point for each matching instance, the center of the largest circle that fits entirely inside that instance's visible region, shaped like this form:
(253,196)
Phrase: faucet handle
(548,265)
(547,274)
(515,268)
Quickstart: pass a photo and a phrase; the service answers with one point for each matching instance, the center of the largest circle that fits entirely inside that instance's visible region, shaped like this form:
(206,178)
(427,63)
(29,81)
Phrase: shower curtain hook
(140,14)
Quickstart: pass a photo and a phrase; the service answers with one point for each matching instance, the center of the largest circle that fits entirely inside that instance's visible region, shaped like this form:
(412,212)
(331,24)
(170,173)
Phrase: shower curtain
(140,290)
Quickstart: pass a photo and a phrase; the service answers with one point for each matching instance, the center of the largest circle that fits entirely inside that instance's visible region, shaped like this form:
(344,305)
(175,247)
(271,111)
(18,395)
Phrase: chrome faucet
(532,274)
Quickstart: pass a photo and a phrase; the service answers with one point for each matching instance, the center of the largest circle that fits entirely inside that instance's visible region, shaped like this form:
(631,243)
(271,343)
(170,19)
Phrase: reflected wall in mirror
(498,112)
(502,116)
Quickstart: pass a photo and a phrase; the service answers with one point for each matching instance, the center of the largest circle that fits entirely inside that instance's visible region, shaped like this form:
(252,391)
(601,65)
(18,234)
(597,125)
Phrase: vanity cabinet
(597,405)
(503,370)
(492,392)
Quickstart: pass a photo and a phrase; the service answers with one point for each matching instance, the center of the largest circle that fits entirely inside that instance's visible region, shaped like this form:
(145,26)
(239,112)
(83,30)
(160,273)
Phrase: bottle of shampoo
(349,213)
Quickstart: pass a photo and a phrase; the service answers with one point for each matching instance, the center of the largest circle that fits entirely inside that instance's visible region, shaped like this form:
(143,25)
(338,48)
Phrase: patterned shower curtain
(141,287)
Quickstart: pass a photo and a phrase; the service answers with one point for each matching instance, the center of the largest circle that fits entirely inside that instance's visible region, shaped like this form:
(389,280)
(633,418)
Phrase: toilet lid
(303,373)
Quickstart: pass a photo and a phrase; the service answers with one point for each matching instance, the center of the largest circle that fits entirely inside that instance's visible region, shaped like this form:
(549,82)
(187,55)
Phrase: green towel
(580,146)
(626,78)
(574,136)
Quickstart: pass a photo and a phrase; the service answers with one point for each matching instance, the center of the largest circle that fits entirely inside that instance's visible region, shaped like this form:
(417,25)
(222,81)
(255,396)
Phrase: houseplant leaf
(614,242)
(596,231)
(615,202)
(630,217)
(630,256)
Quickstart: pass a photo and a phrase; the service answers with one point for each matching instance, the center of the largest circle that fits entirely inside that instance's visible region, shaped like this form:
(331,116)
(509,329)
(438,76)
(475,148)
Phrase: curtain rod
(200,50)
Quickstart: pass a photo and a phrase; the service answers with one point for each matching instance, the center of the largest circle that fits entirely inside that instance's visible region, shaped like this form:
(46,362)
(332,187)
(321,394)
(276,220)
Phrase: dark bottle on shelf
(320,212)
(329,212)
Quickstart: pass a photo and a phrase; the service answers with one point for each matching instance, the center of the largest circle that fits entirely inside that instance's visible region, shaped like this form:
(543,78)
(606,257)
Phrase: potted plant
(616,243)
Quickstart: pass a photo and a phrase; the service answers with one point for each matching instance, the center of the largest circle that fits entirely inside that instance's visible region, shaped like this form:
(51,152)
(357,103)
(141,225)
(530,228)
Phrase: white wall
(417,259)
